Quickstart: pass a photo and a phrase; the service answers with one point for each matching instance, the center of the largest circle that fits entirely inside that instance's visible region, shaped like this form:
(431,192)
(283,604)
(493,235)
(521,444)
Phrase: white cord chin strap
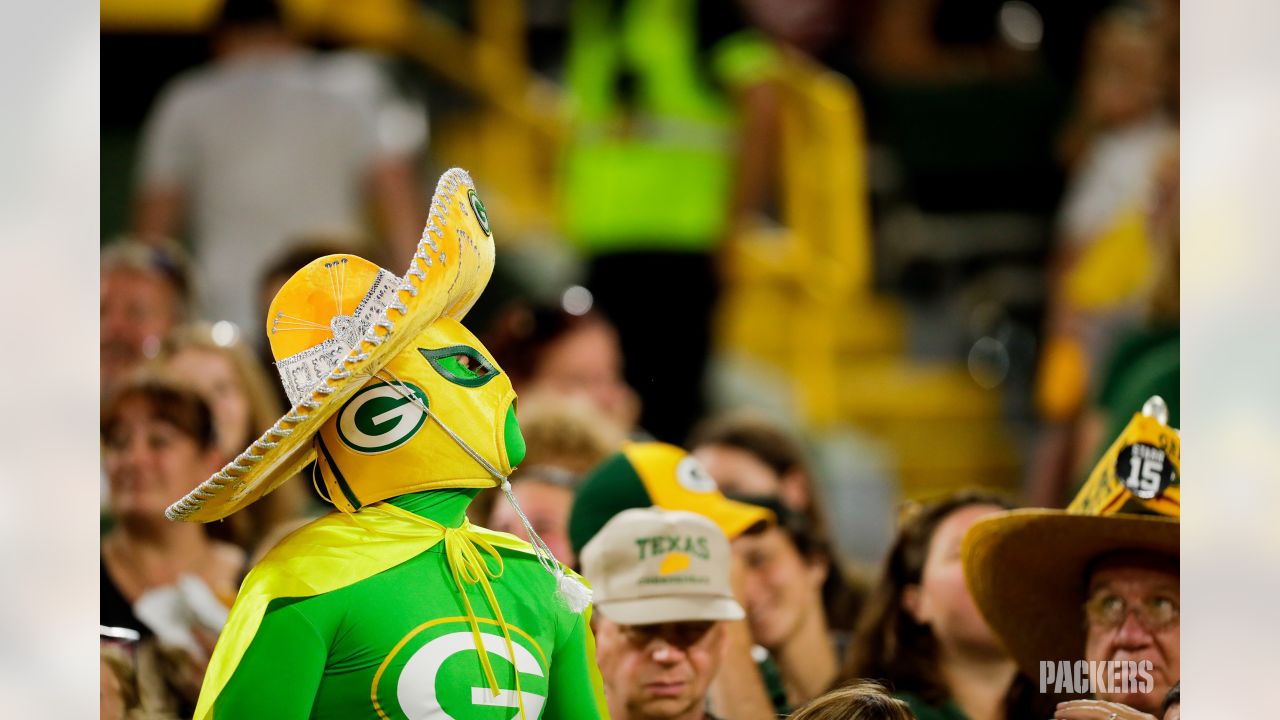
(571,590)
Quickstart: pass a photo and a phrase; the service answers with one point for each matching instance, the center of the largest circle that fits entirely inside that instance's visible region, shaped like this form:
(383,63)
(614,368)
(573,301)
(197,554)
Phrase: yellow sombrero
(1026,569)
(340,320)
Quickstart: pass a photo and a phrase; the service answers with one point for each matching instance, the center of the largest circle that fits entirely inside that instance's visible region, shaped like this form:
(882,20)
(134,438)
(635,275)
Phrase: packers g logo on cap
(693,477)
(380,419)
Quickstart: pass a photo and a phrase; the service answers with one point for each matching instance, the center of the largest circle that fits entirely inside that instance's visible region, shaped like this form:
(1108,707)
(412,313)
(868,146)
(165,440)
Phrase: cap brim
(687,608)
(1026,571)
(735,518)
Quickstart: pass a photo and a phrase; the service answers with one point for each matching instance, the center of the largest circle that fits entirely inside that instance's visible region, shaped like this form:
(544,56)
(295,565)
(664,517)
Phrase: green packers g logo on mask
(379,419)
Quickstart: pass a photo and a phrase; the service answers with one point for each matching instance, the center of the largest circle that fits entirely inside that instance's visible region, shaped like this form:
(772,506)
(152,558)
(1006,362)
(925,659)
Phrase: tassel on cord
(575,594)
(570,590)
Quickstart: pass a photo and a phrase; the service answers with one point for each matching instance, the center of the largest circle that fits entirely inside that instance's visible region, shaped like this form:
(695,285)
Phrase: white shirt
(264,151)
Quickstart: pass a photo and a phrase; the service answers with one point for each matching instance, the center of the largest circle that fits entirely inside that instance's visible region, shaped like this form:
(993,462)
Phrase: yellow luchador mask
(441,414)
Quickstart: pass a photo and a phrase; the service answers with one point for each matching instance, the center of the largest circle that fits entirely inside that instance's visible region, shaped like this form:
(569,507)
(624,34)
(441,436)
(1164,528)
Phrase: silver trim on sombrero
(195,499)
(302,372)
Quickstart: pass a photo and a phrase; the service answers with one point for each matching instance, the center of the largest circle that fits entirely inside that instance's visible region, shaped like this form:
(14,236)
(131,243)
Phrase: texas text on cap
(649,565)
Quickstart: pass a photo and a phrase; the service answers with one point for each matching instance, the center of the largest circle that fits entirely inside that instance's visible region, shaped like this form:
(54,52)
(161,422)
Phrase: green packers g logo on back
(434,674)
(379,419)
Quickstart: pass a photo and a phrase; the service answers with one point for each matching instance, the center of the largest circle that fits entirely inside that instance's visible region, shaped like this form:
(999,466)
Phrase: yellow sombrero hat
(338,321)
(1026,569)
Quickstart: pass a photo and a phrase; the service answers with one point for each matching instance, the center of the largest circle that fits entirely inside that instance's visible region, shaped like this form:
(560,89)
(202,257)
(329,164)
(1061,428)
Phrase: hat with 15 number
(649,565)
(654,473)
(1027,569)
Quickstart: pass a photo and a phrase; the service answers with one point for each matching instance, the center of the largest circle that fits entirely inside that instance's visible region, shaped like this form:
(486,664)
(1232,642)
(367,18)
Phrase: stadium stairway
(798,299)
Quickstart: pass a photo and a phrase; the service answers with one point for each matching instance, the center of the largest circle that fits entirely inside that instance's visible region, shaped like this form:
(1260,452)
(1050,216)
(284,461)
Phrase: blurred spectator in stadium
(662,597)
(747,454)
(920,630)
(546,349)
(145,293)
(1145,360)
(1124,92)
(566,432)
(751,458)
(216,361)
(160,577)
(1137,358)
(223,369)
(658,474)
(1097,583)
(1105,256)
(861,700)
(671,145)
(1113,243)
(159,441)
(263,144)
(786,567)
(545,494)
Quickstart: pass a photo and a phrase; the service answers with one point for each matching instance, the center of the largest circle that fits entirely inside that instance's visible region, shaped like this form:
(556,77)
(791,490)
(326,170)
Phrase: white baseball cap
(648,565)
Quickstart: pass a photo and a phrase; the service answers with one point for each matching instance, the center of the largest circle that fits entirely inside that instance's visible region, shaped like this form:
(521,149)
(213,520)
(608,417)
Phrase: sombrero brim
(450,268)
(1026,572)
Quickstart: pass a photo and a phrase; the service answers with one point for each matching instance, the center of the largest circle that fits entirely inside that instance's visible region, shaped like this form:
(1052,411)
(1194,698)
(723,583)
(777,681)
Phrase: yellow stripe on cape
(327,554)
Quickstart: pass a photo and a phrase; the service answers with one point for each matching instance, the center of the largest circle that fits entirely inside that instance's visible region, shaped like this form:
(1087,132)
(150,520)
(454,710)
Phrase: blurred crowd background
(856,255)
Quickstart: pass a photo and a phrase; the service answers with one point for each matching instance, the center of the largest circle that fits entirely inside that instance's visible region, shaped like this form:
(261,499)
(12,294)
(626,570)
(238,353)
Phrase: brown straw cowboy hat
(1027,569)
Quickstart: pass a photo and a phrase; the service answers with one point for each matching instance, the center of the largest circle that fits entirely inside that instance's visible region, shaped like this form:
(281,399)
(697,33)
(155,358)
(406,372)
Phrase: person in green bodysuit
(395,606)
(316,658)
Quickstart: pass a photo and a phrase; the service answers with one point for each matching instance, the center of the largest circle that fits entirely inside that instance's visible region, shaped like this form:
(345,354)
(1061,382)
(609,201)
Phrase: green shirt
(398,644)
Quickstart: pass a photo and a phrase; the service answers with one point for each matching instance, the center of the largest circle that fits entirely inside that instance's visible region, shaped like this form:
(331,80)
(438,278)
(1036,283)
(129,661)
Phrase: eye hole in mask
(461,365)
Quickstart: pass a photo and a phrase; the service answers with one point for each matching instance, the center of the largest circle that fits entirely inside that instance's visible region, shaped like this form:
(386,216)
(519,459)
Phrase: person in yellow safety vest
(669,145)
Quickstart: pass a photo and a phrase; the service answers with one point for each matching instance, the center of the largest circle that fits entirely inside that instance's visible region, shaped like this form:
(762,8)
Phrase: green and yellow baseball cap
(655,474)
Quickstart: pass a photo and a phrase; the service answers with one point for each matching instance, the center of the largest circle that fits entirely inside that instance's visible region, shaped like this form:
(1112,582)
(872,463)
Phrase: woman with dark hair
(920,630)
(159,440)
(755,456)
(749,455)
(784,570)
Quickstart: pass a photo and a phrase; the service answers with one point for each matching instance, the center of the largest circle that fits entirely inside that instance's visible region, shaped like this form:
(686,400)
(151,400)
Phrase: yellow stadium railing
(821,257)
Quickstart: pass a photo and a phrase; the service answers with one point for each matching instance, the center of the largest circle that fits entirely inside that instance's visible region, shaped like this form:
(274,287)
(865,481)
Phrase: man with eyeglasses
(1094,589)
(662,596)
